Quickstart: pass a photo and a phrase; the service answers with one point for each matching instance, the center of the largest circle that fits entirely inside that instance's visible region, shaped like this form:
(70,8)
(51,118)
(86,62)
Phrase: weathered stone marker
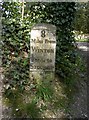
(42,51)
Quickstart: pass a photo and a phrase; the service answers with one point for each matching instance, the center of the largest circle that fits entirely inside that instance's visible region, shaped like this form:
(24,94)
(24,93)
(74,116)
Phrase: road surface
(79,107)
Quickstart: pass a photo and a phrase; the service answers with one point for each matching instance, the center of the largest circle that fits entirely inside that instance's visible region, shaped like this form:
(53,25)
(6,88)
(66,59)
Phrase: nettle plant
(17,20)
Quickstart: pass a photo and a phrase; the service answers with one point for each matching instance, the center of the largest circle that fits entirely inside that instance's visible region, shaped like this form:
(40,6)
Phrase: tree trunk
(22,9)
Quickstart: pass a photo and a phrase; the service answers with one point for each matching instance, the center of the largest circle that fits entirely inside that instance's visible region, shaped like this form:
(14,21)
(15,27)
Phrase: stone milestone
(42,49)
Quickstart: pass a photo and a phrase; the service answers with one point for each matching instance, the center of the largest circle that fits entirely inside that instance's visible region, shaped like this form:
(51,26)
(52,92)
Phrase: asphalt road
(1,78)
(85,53)
(79,109)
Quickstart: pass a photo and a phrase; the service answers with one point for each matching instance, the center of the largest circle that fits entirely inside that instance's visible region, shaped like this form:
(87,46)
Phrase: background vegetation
(81,22)
(17,20)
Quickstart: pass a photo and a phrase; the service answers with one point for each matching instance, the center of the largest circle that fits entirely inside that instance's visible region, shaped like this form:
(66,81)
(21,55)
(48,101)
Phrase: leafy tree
(81,17)
(87,14)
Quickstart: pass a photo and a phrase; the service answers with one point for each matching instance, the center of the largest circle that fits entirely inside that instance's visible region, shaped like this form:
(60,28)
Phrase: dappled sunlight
(42,69)
(84,48)
(58,88)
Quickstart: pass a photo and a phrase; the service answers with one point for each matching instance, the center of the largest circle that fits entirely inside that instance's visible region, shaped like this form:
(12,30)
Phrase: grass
(44,96)
(82,40)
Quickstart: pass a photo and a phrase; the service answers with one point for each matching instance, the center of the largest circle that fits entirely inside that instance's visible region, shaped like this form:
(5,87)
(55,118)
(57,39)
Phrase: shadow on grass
(28,99)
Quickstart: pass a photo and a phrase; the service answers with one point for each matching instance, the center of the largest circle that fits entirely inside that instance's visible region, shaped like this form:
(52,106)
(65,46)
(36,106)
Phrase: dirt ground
(78,109)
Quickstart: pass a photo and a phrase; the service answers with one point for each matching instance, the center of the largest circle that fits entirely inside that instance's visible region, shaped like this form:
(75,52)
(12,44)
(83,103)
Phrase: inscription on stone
(42,48)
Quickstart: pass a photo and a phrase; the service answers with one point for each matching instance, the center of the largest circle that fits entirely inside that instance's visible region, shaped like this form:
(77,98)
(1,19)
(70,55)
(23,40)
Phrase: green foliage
(15,46)
(16,37)
(82,17)
(44,91)
(32,109)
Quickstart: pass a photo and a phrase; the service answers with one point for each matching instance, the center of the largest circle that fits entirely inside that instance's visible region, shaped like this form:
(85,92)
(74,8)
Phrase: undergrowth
(26,97)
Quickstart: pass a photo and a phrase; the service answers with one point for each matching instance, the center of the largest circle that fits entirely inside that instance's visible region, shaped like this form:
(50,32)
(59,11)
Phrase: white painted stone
(42,49)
